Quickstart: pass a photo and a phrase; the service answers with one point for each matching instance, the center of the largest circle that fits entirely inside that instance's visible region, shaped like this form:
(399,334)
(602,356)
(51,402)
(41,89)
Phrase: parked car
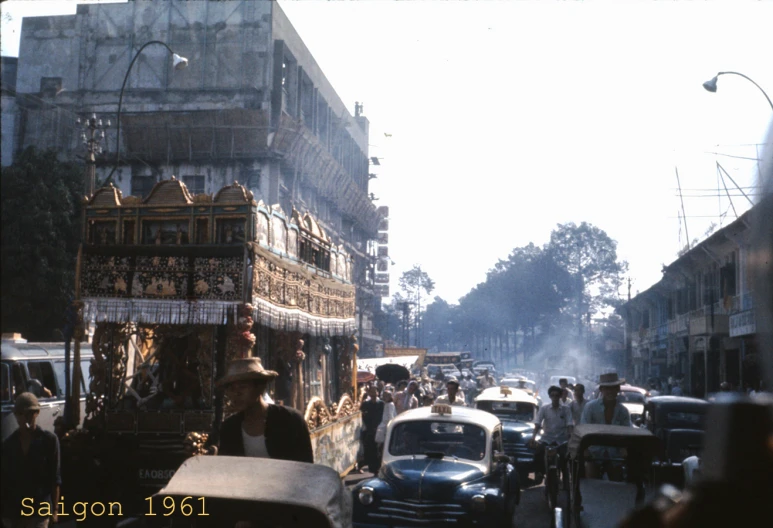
(38,368)
(680,423)
(517,410)
(441,465)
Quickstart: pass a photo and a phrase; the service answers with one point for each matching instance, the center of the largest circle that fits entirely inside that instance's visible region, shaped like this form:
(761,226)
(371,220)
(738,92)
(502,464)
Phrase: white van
(37,368)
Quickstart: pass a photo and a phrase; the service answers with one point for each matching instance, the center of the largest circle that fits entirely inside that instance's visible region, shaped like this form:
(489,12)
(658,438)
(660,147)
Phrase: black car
(517,410)
(680,423)
(442,466)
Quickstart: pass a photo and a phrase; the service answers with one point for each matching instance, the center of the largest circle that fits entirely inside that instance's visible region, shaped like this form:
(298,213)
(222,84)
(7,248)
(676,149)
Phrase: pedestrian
(389,412)
(31,469)
(372,413)
(578,405)
(259,429)
(453,395)
(407,400)
(677,389)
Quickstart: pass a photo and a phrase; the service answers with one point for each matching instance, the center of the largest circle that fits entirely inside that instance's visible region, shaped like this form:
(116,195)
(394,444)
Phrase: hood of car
(424,478)
(512,429)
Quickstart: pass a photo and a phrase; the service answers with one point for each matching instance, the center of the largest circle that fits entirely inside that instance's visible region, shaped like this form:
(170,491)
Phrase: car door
(51,406)
(9,420)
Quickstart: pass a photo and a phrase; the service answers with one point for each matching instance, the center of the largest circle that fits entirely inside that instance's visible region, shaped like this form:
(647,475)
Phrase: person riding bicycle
(555,421)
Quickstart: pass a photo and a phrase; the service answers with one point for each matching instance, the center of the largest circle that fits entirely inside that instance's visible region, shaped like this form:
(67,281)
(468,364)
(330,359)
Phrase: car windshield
(512,411)
(461,440)
(630,397)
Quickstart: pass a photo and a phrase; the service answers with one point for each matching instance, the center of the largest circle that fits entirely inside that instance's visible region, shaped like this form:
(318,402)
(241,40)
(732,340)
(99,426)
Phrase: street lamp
(178,63)
(711,85)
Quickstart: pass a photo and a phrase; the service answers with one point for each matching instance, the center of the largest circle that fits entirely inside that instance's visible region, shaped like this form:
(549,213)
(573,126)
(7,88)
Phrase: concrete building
(252,106)
(698,321)
(8,76)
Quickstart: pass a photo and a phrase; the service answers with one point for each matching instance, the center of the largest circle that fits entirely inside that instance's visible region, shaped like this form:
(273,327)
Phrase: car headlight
(479,502)
(366,496)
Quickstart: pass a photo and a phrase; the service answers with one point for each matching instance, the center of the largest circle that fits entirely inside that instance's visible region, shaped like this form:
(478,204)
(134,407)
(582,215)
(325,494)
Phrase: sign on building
(742,323)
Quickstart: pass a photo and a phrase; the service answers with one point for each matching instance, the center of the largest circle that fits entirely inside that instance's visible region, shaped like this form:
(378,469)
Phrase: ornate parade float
(175,286)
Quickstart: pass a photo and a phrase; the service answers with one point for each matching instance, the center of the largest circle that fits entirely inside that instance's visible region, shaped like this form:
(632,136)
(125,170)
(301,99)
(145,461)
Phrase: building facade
(252,106)
(698,322)
(8,76)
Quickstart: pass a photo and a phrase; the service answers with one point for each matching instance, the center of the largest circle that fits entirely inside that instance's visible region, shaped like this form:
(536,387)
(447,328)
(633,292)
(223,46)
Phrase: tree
(41,230)
(413,282)
(590,256)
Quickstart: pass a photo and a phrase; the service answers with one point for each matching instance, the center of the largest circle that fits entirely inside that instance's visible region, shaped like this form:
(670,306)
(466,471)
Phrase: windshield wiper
(435,454)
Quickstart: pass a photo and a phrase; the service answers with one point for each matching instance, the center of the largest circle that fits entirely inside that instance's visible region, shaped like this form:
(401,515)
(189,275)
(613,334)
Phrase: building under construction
(252,107)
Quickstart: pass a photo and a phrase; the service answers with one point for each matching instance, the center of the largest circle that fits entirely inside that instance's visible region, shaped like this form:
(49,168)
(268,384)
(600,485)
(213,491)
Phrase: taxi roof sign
(441,409)
(505,390)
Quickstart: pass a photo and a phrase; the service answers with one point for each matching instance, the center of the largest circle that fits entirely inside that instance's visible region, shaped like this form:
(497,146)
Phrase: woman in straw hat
(259,429)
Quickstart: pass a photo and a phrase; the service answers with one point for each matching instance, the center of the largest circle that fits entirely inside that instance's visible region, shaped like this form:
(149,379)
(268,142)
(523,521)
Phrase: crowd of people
(380,402)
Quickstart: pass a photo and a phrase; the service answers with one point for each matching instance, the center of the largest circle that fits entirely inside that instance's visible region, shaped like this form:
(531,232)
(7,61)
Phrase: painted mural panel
(336,445)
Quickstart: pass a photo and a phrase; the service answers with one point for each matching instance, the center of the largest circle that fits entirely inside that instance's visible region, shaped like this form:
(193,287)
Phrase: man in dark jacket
(259,429)
(30,469)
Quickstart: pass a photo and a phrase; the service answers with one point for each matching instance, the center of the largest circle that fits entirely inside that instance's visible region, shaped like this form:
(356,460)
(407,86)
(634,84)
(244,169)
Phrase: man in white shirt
(406,400)
(555,421)
(578,405)
(454,396)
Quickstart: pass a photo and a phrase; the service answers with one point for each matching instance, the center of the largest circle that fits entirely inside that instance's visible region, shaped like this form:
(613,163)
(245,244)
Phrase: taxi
(517,411)
(442,465)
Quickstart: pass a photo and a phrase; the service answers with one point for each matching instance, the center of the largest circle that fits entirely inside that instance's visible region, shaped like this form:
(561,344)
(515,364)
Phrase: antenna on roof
(681,199)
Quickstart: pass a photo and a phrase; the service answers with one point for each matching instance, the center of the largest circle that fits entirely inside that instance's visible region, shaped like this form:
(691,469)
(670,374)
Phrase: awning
(371,364)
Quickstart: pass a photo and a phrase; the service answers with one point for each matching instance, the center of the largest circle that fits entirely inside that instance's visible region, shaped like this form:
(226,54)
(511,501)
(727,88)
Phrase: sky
(508,118)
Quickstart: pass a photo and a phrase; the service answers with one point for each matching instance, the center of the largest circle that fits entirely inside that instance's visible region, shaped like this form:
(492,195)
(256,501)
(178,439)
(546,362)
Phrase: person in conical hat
(259,428)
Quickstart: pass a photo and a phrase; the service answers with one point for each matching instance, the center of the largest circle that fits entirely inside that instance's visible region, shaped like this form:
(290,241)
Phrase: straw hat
(610,380)
(26,401)
(245,369)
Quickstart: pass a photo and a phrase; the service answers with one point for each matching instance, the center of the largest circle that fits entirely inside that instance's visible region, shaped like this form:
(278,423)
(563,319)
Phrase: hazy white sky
(510,117)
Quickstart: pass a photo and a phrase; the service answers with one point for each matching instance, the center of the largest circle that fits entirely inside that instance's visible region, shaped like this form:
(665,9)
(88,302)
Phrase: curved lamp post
(711,85)
(178,63)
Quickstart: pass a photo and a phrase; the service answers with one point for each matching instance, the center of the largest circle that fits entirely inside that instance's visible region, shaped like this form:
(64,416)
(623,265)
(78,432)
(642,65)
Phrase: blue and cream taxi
(517,411)
(442,465)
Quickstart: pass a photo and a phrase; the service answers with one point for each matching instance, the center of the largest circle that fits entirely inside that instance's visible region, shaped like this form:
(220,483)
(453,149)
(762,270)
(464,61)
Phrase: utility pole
(628,329)
(92,136)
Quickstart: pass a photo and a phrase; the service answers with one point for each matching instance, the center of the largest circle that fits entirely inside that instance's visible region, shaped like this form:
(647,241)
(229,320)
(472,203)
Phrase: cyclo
(224,491)
(625,454)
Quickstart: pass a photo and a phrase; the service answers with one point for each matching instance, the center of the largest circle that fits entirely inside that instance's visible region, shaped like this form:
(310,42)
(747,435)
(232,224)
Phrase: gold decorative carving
(169,192)
(319,415)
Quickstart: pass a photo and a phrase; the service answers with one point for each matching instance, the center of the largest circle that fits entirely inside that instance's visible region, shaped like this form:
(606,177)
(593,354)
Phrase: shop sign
(742,323)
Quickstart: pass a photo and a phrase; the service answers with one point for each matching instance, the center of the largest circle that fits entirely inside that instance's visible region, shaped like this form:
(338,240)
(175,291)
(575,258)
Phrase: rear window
(685,420)
(630,397)
(517,411)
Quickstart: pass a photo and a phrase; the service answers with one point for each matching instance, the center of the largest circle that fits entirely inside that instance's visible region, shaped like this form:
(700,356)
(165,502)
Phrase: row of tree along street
(537,300)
